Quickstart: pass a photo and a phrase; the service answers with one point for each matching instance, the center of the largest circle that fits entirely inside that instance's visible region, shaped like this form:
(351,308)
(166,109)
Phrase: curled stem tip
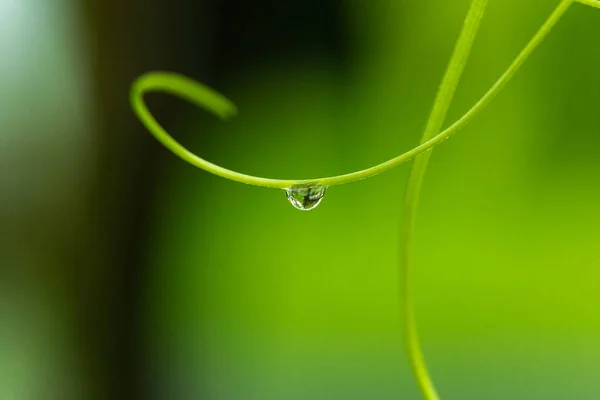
(205,97)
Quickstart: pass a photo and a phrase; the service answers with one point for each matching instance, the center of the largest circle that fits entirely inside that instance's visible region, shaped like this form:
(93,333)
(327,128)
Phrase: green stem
(419,167)
(436,119)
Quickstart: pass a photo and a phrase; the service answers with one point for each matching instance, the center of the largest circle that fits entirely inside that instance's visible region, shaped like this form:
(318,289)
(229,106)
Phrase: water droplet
(305,197)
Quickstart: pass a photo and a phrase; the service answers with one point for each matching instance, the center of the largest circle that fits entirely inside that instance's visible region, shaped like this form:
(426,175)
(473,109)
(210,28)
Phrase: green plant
(306,193)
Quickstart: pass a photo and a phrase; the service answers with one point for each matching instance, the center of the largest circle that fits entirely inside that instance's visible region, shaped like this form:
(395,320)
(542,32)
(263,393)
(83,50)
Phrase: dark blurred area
(81,242)
(209,40)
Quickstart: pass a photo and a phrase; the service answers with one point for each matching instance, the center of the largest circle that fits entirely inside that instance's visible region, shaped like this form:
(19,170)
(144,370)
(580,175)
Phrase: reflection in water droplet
(306,197)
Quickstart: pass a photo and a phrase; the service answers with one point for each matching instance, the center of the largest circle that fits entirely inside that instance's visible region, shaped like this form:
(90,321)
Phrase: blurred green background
(126,273)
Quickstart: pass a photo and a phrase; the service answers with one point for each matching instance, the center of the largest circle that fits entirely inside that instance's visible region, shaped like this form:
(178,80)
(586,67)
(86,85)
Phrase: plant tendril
(205,97)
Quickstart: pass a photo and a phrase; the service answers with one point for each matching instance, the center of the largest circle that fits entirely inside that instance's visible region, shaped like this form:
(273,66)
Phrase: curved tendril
(204,97)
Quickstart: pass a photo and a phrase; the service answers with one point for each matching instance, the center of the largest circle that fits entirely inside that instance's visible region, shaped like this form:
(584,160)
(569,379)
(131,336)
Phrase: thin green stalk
(436,119)
(419,167)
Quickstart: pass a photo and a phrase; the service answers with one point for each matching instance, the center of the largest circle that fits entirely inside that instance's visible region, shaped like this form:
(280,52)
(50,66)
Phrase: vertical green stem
(436,119)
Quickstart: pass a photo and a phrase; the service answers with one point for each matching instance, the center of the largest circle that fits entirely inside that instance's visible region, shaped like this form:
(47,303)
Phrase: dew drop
(306,197)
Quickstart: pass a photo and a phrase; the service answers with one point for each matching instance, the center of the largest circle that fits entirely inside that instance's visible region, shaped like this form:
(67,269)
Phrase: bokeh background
(128,274)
